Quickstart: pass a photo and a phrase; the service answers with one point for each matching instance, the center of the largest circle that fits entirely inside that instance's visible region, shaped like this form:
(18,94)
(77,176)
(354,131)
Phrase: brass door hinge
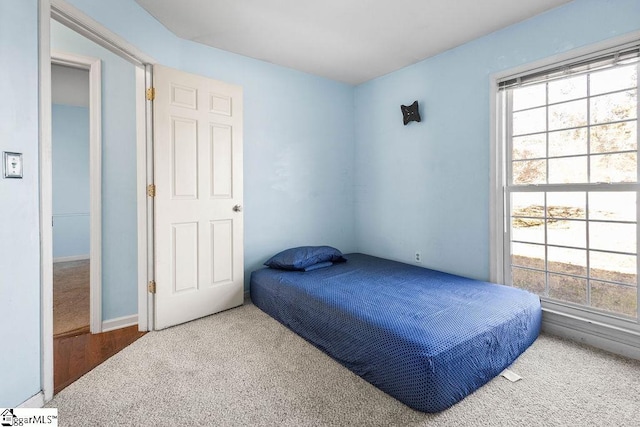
(151,190)
(151,287)
(151,94)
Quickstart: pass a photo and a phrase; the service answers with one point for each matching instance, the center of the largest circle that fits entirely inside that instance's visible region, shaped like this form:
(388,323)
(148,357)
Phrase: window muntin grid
(565,139)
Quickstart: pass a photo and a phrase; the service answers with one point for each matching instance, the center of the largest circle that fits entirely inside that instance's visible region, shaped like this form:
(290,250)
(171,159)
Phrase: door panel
(184,155)
(184,256)
(198,177)
(222,250)
(221,162)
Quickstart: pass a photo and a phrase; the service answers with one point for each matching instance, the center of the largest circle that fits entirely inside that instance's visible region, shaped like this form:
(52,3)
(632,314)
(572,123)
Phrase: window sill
(613,338)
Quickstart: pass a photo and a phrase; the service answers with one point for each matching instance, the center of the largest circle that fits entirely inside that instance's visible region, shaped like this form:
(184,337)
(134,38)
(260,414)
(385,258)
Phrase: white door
(198,178)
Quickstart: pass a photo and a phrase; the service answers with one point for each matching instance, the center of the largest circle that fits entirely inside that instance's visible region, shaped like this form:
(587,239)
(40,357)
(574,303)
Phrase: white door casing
(198,179)
(94,67)
(73,18)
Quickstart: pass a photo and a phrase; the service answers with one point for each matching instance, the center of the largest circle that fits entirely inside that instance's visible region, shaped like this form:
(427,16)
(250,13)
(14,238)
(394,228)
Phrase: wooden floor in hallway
(71,296)
(74,356)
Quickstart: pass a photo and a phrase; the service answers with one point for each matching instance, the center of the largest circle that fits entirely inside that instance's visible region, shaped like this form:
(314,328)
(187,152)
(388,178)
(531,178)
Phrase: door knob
(237,208)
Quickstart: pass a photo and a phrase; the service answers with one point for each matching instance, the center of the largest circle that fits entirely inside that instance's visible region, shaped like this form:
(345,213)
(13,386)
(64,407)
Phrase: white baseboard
(71,258)
(35,401)
(119,322)
(614,340)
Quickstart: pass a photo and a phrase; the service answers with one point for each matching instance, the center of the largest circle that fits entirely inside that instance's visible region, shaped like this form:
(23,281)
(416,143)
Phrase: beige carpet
(70,296)
(242,368)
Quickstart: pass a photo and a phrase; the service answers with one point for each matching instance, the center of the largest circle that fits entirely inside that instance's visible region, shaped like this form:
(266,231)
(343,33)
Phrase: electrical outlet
(417,257)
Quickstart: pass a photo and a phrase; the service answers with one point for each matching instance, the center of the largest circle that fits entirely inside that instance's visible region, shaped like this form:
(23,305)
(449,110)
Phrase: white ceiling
(346,40)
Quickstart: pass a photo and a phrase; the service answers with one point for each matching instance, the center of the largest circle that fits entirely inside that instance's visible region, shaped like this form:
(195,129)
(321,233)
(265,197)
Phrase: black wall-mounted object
(410,113)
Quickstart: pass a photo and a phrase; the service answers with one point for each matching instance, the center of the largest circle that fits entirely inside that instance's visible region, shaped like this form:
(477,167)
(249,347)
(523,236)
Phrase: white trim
(119,322)
(94,66)
(496,193)
(45,199)
(141,156)
(73,18)
(149,224)
(590,315)
(35,401)
(637,201)
(71,258)
(605,337)
(95,209)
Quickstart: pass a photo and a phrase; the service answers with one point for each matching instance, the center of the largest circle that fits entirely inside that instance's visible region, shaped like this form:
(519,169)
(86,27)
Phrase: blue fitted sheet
(425,337)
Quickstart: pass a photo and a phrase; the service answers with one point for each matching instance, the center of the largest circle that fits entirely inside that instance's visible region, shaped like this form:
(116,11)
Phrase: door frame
(71,17)
(94,67)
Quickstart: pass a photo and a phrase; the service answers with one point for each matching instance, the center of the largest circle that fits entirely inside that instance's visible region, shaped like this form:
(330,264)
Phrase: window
(570,163)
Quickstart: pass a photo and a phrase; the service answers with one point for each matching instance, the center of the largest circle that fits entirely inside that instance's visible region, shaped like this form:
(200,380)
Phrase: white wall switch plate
(12,165)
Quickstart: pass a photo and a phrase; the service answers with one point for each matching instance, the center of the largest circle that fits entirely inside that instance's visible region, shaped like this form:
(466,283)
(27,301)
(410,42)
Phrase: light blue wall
(70,159)
(425,186)
(119,220)
(298,136)
(19,214)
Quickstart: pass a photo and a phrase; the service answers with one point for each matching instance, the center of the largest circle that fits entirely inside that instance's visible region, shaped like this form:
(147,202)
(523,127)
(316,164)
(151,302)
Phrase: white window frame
(498,227)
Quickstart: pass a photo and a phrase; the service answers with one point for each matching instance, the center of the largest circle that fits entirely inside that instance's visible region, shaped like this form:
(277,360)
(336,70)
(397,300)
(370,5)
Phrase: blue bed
(425,337)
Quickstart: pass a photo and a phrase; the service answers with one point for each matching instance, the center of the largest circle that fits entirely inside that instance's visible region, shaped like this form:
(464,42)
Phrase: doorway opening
(121,323)
(76,197)
(94,202)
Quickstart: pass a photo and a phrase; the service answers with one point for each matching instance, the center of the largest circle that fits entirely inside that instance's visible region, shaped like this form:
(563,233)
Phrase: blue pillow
(303,257)
(318,265)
